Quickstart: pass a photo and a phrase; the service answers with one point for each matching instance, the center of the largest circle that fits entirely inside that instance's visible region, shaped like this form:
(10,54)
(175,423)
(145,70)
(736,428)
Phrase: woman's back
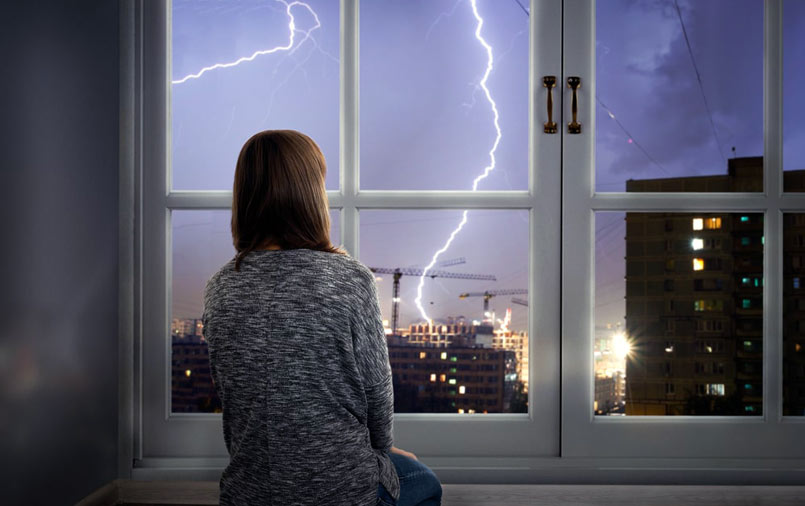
(299,360)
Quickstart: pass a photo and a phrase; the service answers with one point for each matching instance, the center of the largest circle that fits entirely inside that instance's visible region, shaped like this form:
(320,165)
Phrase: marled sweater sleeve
(371,355)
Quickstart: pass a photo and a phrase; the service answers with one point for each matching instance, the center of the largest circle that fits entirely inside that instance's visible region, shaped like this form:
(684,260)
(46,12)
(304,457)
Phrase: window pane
(202,244)
(794,314)
(473,355)
(669,110)
(291,83)
(678,313)
(427,122)
(793,98)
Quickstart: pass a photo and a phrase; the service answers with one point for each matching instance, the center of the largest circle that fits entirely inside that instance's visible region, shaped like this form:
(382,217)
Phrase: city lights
(697,244)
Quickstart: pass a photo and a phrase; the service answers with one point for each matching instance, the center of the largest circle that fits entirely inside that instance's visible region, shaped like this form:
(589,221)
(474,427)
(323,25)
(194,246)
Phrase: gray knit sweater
(300,362)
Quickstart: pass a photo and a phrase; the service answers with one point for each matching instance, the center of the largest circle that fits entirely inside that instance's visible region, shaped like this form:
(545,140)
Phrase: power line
(522,7)
(631,137)
(699,79)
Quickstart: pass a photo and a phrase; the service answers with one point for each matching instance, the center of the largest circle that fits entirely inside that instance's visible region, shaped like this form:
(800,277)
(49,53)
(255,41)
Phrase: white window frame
(178,444)
(738,441)
(560,441)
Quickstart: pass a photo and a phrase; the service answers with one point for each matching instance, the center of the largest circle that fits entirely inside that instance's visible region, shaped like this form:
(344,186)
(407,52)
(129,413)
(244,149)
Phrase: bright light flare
(621,346)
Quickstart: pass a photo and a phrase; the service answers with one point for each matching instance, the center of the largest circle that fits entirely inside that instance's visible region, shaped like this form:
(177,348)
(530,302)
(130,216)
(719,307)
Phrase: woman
(298,353)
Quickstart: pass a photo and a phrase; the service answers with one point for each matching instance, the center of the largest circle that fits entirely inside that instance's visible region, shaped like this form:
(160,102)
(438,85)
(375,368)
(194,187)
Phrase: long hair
(279,197)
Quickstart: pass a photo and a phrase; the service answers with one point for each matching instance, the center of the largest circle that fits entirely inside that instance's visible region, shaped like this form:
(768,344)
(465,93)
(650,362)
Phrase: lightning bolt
(292,35)
(492,161)
(307,35)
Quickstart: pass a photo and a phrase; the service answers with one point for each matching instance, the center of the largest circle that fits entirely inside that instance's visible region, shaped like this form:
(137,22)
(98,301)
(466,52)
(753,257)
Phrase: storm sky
(426,123)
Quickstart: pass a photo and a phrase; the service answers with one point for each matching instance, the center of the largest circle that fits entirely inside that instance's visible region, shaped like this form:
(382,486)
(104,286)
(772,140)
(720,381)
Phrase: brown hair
(279,197)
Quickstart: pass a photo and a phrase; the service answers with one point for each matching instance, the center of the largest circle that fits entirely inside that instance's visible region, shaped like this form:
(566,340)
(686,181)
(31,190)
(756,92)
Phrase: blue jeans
(418,485)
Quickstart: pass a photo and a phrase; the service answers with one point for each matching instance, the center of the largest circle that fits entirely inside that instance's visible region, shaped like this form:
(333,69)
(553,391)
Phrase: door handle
(574,127)
(549,82)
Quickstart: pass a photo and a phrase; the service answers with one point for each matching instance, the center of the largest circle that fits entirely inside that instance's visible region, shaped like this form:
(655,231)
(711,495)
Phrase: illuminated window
(796,282)
(708,305)
(462,389)
(744,218)
(698,264)
(698,224)
(715,389)
(697,244)
(442,377)
(746,303)
(433,377)
(444,355)
(712,223)
(452,381)
(745,241)
(422,354)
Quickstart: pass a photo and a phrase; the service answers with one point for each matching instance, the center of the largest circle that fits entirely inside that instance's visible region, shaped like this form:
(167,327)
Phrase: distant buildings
(451,368)
(459,368)
(192,389)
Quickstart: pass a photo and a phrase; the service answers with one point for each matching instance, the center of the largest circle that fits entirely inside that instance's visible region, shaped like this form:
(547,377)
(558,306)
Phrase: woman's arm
(372,358)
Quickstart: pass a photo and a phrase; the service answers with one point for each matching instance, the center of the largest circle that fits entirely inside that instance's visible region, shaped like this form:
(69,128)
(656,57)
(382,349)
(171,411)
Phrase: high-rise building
(694,307)
(794,309)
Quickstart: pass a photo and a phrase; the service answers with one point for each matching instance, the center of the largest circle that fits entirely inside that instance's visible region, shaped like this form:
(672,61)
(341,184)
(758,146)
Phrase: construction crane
(399,272)
(520,301)
(491,293)
(444,263)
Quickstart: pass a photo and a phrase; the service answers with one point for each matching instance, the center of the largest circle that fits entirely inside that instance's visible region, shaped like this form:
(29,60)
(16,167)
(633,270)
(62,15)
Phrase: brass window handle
(549,82)
(574,127)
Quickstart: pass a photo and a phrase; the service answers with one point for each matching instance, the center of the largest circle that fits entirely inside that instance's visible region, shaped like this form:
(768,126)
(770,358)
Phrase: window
(367,198)
(708,305)
(712,223)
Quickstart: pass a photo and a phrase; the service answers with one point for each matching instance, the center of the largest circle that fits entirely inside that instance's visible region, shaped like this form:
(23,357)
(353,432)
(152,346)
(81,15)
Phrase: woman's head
(279,196)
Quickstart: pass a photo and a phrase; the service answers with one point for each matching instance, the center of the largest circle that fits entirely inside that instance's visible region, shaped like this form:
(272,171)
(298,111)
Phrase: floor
(134,493)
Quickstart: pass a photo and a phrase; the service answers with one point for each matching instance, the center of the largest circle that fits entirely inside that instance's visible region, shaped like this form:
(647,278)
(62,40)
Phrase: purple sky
(425,123)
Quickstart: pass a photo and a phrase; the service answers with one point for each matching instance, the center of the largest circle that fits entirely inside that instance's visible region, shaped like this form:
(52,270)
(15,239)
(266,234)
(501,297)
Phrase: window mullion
(348,131)
(772,164)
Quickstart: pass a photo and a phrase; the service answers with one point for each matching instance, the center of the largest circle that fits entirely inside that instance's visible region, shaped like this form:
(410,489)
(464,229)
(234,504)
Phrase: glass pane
(427,121)
(678,313)
(458,340)
(793,98)
(794,314)
(202,244)
(670,109)
(267,77)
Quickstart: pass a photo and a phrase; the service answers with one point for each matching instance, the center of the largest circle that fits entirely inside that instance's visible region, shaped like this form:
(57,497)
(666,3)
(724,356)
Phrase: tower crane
(491,293)
(518,300)
(399,272)
(444,263)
